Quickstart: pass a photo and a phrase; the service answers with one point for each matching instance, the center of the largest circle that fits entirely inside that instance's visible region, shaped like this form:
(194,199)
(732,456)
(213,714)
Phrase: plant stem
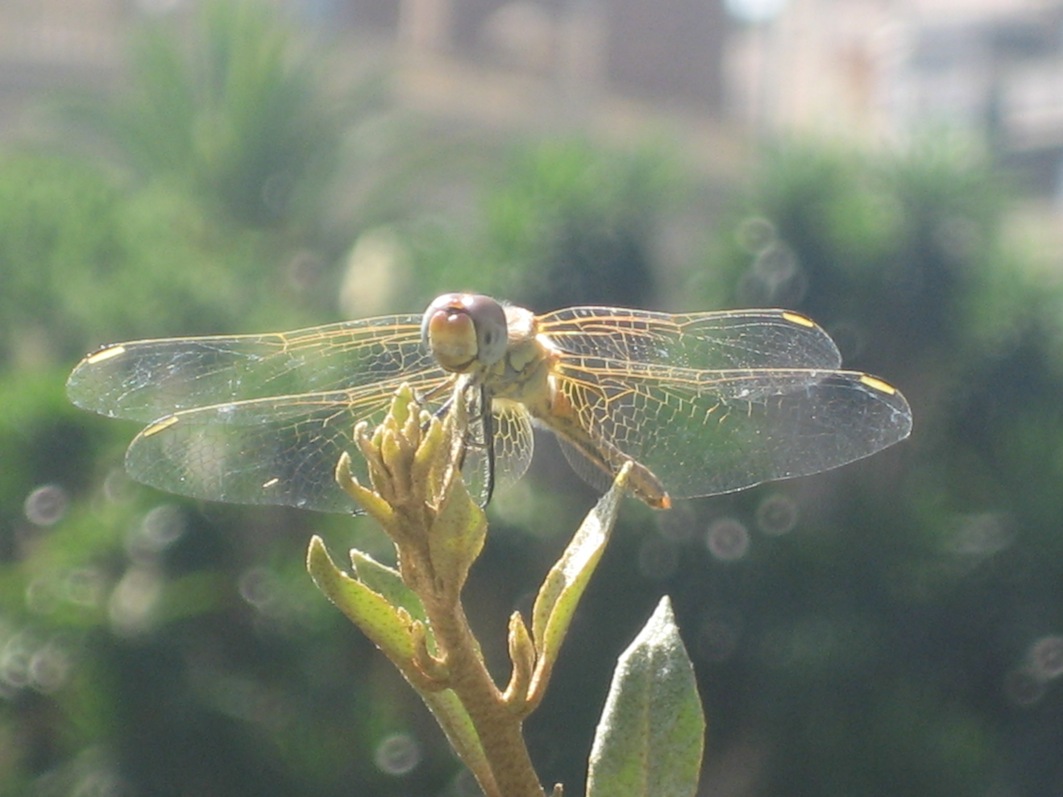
(498,727)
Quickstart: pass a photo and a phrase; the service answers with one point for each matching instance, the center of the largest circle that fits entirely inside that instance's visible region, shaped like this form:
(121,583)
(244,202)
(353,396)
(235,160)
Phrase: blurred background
(893,168)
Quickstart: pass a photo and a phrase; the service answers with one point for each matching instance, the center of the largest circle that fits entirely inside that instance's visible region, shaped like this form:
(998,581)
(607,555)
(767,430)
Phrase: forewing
(709,432)
(145,380)
(733,339)
(279,450)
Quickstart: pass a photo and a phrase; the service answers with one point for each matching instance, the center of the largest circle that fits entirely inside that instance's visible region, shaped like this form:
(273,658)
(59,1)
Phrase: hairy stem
(498,727)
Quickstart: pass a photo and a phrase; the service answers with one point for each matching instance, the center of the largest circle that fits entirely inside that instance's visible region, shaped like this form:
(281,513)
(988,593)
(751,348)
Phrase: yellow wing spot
(159,426)
(105,354)
(877,384)
(800,320)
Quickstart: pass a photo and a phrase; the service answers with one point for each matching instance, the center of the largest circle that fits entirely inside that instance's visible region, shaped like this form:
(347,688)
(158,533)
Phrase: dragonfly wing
(591,471)
(514,442)
(733,339)
(476,466)
(145,380)
(703,433)
(281,450)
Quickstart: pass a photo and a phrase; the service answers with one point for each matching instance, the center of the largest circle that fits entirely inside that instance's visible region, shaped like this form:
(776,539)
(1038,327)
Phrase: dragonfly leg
(486,442)
(487,421)
(422,398)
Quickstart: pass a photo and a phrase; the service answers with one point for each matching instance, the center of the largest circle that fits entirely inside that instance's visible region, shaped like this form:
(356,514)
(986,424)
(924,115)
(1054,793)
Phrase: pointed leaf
(459,729)
(378,619)
(371,612)
(652,731)
(371,602)
(387,581)
(568,578)
(456,537)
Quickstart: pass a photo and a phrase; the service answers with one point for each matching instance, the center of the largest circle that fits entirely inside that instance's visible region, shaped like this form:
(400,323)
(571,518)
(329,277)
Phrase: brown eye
(465,330)
(491,329)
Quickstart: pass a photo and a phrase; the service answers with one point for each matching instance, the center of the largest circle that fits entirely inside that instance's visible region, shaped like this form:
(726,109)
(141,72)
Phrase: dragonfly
(701,403)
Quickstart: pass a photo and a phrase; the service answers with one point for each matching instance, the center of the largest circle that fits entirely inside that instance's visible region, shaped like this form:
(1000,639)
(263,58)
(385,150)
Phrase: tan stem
(497,726)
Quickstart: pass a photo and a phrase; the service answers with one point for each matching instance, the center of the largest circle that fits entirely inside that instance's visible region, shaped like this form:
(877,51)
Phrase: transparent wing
(284,450)
(709,432)
(513,445)
(514,442)
(710,402)
(145,380)
(733,339)
(280,450)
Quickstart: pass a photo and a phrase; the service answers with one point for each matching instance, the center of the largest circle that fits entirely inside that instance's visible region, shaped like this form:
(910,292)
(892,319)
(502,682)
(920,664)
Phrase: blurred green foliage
(234,114)
(77,247)
(559,222)
(884,645)
(572,224)
(890,628)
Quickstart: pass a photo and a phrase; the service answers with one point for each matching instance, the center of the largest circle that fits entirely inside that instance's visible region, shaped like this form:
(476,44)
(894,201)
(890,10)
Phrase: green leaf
(371,601)
(373,613)
(456,538)
(388,582)
(444,704)
(568,578)
(456,723)
(652,731)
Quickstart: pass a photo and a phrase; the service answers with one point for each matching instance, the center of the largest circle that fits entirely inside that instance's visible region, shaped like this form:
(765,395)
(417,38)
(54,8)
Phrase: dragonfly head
(464,331)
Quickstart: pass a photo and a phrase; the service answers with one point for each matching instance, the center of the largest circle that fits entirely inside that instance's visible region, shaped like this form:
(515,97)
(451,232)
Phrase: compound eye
(464,330)
(492,331)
